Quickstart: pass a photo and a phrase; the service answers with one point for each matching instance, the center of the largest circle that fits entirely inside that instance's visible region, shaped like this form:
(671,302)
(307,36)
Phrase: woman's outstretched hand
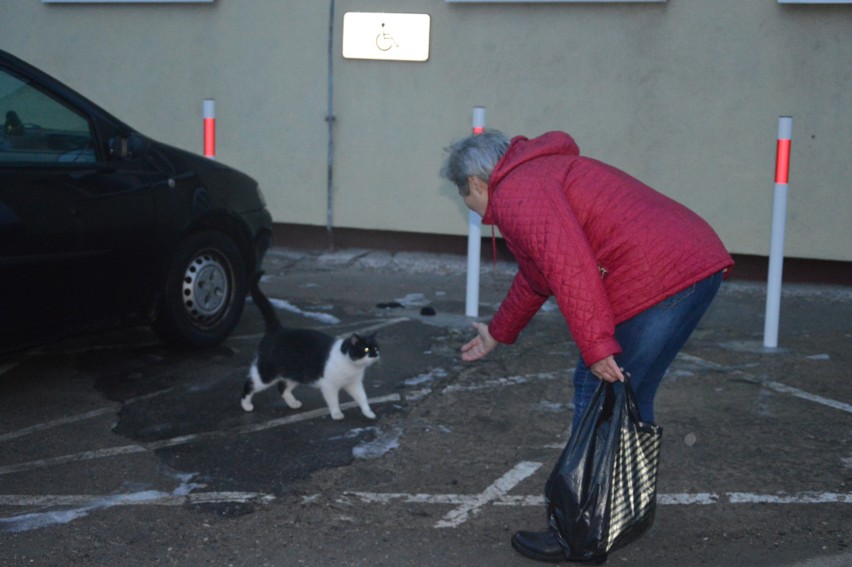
(481,345)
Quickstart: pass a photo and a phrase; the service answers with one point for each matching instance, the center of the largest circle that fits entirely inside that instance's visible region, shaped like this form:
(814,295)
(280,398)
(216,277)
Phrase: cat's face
(363,349)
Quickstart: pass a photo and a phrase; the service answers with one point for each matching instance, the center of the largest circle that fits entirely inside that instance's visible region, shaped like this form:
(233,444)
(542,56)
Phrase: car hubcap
(205,288)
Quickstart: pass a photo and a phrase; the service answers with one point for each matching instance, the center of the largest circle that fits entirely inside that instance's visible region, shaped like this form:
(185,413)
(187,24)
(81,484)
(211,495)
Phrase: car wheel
(204,293)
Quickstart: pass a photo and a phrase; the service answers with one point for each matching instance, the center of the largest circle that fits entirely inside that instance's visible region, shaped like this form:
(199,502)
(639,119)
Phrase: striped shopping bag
(602,493)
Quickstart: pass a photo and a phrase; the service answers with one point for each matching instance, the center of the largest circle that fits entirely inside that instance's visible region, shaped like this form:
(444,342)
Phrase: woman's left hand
(607,369)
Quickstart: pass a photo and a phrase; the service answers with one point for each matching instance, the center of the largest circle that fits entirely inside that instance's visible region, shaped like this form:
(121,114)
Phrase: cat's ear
(354,339)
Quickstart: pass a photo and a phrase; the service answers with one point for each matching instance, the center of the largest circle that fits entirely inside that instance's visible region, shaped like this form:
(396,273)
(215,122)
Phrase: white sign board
(127,1)
(394,37)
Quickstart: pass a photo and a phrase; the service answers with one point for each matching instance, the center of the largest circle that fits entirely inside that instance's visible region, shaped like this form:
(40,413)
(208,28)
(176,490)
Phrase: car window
(38,128)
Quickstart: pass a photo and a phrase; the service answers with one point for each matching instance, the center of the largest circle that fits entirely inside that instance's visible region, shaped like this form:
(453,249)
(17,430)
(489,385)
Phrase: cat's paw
(368,414)
(337,415)
(247,405)
(292,402)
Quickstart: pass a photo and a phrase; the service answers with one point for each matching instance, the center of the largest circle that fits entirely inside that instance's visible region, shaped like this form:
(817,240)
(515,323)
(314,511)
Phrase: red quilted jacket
(604,244)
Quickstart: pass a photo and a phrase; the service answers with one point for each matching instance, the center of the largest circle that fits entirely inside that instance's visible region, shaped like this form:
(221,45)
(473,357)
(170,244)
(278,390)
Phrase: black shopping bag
(602,493)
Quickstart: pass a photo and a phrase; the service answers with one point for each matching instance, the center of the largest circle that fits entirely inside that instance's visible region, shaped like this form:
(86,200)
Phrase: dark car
(101,226)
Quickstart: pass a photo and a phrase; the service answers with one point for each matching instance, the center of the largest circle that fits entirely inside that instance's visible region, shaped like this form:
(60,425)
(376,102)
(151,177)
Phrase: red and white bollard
(779,221)
(210,128)
(474,236)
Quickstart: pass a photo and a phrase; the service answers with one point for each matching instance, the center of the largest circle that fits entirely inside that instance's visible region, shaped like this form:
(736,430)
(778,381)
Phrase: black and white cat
(289,357)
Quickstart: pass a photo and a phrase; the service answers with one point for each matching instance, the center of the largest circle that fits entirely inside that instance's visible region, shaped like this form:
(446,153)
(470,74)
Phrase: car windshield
(38,128)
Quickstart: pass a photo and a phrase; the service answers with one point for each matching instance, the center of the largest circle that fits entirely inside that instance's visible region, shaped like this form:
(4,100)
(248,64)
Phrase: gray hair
(474,156)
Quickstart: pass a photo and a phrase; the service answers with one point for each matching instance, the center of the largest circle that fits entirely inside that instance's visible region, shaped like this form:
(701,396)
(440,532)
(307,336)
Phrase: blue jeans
(649,342)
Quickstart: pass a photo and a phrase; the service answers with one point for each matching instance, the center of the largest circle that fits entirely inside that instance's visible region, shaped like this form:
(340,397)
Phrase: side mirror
(13,125)
(128,146)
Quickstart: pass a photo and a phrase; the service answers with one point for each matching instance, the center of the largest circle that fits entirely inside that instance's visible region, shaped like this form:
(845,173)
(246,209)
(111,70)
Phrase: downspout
(329,118)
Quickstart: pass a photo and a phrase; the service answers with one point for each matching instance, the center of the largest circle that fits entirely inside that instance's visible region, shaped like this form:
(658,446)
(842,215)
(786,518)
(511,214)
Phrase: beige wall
(684,95)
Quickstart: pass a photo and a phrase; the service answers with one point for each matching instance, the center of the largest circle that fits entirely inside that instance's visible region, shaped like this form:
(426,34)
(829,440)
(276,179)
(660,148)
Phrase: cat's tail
(263,303)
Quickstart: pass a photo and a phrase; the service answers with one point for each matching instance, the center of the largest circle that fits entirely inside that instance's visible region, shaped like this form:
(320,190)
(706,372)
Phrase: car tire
(204,292)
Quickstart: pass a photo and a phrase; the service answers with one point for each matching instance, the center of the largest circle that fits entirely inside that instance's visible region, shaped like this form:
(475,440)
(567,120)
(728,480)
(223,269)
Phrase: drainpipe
(329,118)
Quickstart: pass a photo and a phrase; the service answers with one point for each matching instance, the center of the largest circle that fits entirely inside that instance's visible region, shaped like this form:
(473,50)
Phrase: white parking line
(526,378)
(7,367)
(77,457)
(801,498)
(706,498)
(466,506)
(771,384)
(496,494)
(498,489)
(71,507)
(150,497)
(182,440)
(56,423)
(74,507)
(470,504)
(784,389)
(507,381)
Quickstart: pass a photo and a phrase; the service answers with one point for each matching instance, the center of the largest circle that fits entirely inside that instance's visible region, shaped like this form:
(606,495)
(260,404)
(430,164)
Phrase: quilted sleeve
(544,227)
(520,305)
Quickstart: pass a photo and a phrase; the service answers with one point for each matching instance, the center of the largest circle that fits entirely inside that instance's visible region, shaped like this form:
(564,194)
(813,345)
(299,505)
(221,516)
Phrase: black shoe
(541,546)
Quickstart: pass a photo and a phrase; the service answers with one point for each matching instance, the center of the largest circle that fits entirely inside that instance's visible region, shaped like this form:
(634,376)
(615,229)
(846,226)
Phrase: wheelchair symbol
(385,41)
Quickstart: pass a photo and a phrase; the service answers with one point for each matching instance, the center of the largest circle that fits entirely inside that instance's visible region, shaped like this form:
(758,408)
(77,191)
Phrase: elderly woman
(632,270)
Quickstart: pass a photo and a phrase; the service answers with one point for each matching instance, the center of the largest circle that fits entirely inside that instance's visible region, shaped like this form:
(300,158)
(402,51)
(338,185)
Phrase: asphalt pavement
(116,450)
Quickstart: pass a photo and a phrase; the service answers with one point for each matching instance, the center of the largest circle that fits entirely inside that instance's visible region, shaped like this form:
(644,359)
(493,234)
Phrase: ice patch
(551,407)
(186,487)
(504,381)
(426,377)
(819,357)
(413,300)
(417,395)
(37,520)
(674,374)
(321,317)
(384,442)
(355,432)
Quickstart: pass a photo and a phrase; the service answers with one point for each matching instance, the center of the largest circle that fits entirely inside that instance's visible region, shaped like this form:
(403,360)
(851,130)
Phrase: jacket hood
(521,150)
